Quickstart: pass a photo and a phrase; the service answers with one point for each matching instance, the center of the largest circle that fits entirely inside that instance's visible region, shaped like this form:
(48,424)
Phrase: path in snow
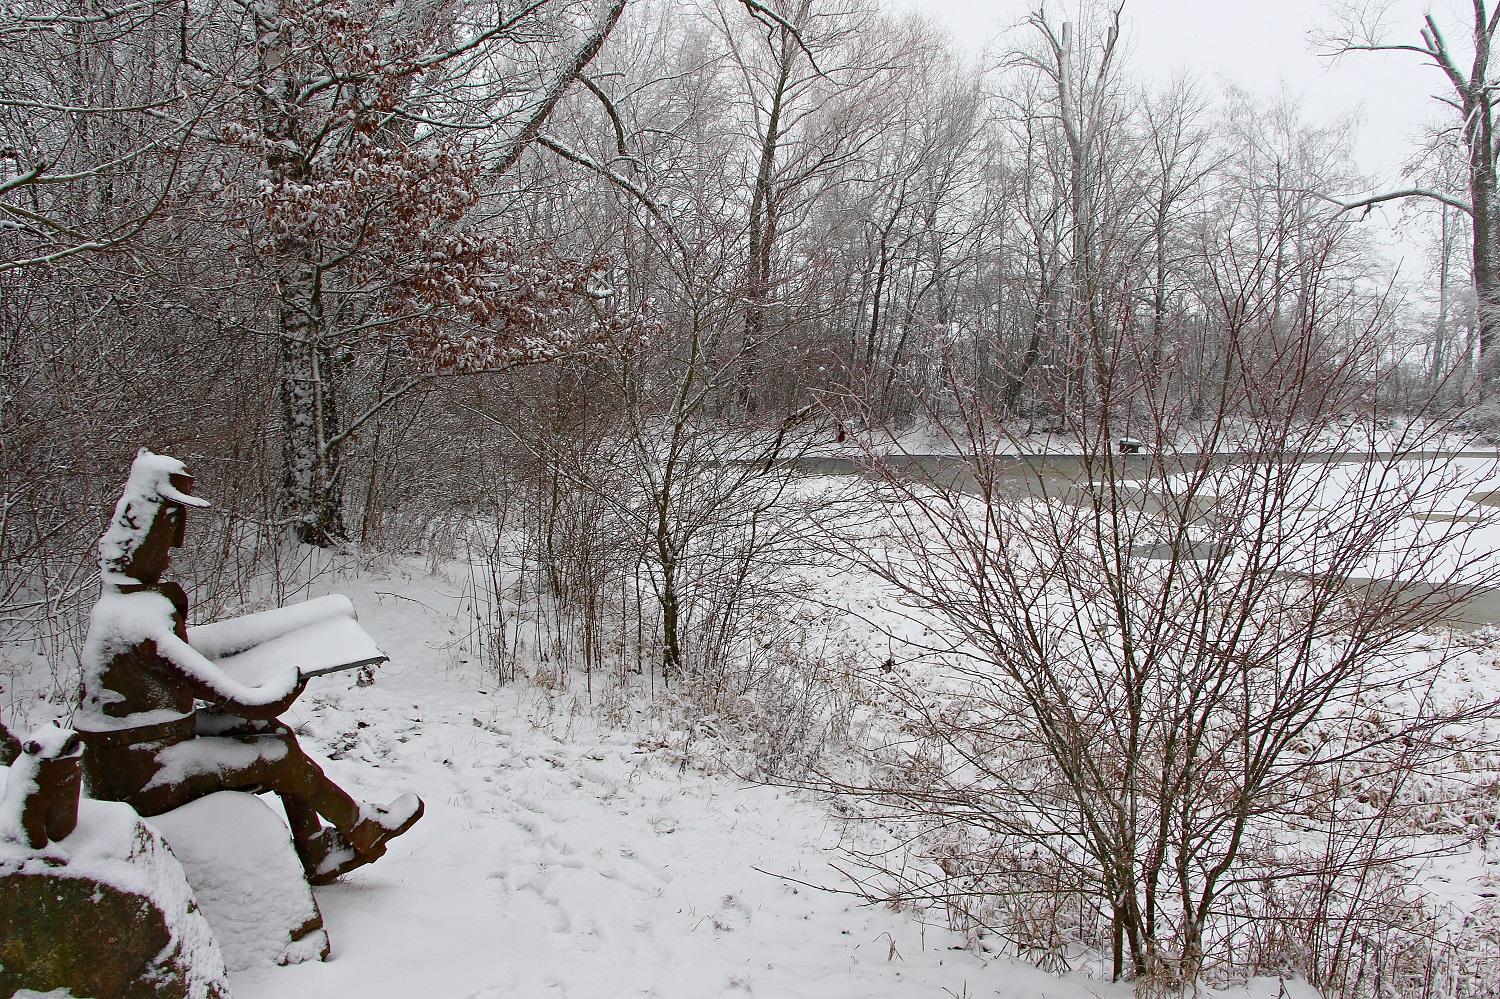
(557,859)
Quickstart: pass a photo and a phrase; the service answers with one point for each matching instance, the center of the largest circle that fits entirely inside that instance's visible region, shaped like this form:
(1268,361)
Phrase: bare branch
(1411,192)
(585,160)
(614,116)
(769,17)
(559,86)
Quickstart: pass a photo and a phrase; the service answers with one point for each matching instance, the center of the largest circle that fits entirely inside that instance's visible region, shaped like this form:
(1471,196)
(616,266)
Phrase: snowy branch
(585,160)
(559,86)
(1411,192)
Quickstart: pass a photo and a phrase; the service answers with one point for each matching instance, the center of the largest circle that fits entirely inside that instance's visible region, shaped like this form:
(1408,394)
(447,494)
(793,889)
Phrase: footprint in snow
(732,915)
(737,986)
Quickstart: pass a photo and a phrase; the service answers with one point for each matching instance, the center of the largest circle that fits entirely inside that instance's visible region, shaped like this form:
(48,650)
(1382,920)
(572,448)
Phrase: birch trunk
(312,493)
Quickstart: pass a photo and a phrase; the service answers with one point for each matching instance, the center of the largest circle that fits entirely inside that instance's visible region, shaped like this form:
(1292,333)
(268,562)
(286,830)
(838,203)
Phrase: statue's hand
(280,691)
(294,683)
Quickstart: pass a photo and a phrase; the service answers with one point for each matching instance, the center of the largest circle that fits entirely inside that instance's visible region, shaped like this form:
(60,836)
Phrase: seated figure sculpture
(146,740)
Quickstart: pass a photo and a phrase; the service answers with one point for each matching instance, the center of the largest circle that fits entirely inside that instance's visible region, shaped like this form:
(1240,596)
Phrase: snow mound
(239,858)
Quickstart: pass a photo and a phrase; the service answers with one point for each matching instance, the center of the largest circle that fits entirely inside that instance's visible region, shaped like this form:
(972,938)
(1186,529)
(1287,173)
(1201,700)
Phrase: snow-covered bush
(1170,708)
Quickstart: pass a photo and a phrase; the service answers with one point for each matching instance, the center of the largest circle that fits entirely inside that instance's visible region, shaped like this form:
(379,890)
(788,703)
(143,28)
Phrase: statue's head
(149,520)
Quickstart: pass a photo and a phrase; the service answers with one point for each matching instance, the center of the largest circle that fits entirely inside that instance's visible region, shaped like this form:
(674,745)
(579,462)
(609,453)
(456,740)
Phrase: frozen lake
(1474,502)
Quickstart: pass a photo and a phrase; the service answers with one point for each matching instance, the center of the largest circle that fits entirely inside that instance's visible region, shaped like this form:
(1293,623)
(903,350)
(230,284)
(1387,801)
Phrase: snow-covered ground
(558,858)
(563,856)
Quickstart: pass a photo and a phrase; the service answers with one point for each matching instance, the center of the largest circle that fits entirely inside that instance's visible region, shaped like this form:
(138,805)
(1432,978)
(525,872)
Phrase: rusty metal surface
(144,766)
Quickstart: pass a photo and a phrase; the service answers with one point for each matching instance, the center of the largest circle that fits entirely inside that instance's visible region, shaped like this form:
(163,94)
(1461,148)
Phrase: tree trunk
(1482,187)
(671,658)
(312,497)
(762,222)
(312,500)
(312,484)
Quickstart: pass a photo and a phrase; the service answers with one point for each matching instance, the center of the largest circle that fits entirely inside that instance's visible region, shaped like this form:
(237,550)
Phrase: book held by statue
(318,636)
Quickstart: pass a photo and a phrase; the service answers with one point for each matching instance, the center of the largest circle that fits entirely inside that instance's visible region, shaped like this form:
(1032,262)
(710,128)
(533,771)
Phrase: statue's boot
(379,824)
(331,854)
(328,855)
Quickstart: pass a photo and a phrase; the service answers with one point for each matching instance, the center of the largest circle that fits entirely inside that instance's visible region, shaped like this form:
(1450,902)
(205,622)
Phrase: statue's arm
(210,683)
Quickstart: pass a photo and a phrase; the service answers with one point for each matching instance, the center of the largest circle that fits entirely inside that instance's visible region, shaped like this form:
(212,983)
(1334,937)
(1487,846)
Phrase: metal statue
(163,725)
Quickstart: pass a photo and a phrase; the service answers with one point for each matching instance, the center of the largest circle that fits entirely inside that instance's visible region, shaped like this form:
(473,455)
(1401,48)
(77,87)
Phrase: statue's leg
(135,774)
(165,776)
(302,784)
(305,790)
(303,819)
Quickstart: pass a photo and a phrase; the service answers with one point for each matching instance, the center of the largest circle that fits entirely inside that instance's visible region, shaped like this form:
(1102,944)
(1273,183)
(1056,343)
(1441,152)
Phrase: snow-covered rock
(106,911)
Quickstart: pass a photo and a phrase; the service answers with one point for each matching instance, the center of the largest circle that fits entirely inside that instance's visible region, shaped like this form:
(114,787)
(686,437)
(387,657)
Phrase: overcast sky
(1261,45)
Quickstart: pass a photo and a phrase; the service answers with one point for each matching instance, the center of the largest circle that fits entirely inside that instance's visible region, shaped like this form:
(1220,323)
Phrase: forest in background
(565,289)
(317,243)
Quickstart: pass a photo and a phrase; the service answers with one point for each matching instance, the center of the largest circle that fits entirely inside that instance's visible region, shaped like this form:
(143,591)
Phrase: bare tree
(805,72)
(1153,667)
(1177,168)
(1078,64)
(917,228)
(100,112)
(1360,27)
(1440,164)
